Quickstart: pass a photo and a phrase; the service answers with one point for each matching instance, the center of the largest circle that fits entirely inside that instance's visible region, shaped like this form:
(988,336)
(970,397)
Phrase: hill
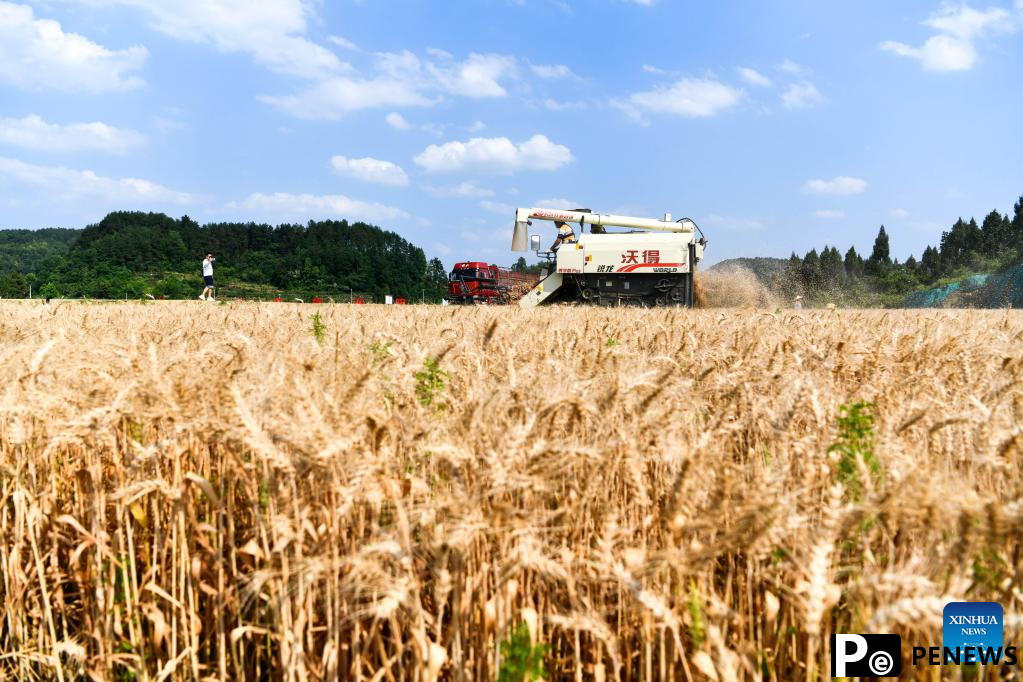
(24,253)
(132,254)
(952,274)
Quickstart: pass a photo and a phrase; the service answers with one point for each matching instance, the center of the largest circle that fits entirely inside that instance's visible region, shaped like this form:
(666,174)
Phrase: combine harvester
(653,264)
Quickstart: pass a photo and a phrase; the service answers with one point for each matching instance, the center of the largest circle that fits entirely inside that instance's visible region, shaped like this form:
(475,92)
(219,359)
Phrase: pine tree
(994,236)
(950,247)
(791,282)
(810,271)
(930,264)
(1014,240)
(853,264)
(974,244)
(960,246)
(831,267)
(880,258)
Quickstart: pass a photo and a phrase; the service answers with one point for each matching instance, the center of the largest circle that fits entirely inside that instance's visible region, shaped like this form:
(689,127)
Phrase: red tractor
(474,282)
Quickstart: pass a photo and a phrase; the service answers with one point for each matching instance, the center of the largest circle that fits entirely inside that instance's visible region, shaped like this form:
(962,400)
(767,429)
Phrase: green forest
(130,254)
(828,276)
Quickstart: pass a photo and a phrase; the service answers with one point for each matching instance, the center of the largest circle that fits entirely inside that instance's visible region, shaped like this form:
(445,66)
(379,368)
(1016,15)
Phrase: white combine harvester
(653,264)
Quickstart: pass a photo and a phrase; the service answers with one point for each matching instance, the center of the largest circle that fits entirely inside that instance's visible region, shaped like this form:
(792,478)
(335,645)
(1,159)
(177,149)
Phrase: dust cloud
(732,287)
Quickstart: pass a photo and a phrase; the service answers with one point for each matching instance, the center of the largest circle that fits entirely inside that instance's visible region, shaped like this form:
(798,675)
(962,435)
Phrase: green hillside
(966,250)
(133,254)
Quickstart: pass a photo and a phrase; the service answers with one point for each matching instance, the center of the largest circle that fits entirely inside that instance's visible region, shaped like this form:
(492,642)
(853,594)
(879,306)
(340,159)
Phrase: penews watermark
(866,655)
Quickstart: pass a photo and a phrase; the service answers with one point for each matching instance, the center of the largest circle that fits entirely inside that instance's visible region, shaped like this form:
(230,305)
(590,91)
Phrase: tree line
(965,248)
(134,254)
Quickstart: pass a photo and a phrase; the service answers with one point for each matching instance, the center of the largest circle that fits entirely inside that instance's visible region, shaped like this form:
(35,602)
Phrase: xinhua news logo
(866,655)
(972,633)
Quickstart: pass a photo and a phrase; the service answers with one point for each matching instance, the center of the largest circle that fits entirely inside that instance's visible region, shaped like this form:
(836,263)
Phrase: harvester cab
(651,264)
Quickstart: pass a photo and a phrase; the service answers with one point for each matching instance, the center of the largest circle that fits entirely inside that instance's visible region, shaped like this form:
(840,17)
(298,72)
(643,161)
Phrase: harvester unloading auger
(654,264)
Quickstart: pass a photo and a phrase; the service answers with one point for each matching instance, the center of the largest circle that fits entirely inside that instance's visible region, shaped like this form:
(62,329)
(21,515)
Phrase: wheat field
(198,491)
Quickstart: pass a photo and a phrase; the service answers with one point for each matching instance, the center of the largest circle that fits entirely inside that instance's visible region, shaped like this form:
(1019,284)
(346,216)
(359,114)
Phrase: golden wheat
(197,491)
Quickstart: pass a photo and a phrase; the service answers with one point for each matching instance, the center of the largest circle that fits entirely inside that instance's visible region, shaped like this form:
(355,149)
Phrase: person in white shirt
(207,276)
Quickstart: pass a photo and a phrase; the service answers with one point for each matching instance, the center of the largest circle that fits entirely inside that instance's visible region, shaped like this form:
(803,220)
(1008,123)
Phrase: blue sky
(776,126)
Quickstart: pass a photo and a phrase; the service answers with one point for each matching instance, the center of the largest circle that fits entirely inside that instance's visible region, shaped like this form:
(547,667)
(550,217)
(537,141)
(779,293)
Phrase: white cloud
(566,204)
(313,206)
(371,170)
(901,212)
(840,186)
(965,22)
(332,98)
(754,77)
(399,79)
(66,182)
(32,132)
(461,190)
(37,54)
(477,77)
(800,95)
(644,3)
(480,125)
(551,71)
(272,32)
(554,105)
(954,48)
(439,53)
(344,43)
(939,53)
(655,70)
(689,97)
(829,214)
(397,121)
(789,66)
(495,155)
(497,207)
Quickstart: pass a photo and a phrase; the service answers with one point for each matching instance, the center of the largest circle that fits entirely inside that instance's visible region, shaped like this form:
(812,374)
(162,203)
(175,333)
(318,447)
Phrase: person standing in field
(207,276)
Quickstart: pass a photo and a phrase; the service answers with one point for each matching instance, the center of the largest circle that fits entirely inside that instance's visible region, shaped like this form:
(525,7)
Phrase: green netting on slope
(1001,290)
(931,298)
(1004,290)
(934,298)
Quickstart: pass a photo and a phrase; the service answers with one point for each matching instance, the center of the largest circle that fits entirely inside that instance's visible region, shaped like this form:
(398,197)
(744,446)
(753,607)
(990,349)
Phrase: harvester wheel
(664,286)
